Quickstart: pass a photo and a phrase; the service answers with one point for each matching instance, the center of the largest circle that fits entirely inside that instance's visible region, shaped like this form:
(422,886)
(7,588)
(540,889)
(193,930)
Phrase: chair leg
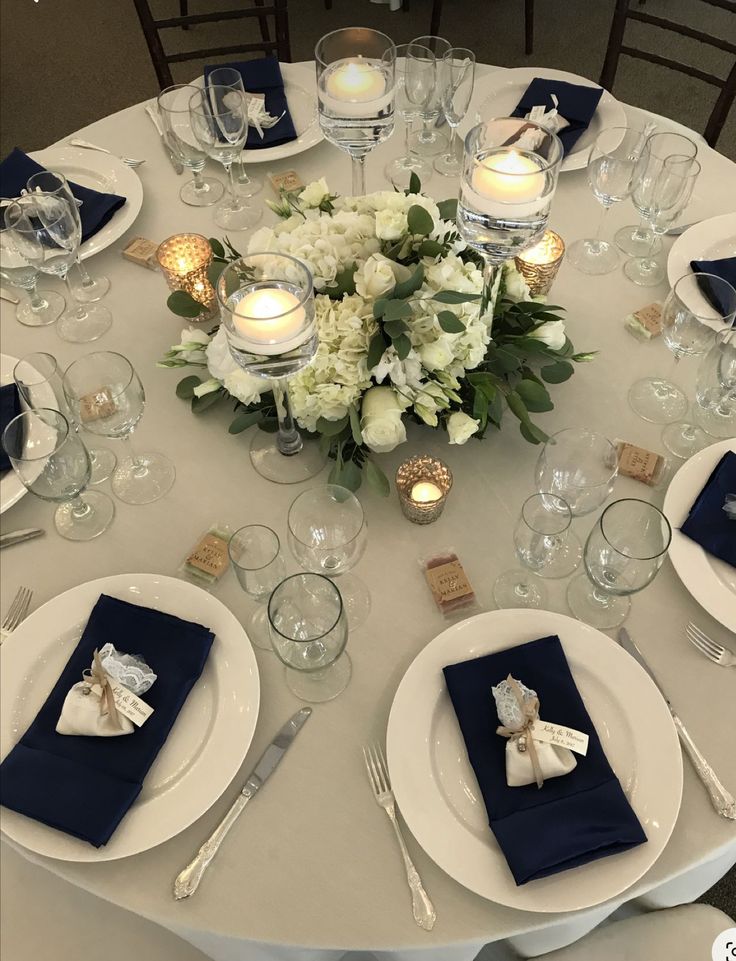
(434,23)
(263,22)
(528,26)
(184,12)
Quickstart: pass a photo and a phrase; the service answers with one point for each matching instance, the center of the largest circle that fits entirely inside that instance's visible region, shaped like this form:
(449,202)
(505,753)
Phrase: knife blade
(155,120)
(187,881)
(722,800)
(17,537)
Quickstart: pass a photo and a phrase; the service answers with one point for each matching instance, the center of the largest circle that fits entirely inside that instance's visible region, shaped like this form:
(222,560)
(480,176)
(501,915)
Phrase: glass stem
(451,145)
(426,135)
(81,312)
(490,272)
(138,467)
(647,262)
(37,301)
(643,232)
(199,185)
(596,244)
(84,273)
(407,137)
(600,597)
(288,440)
(358,176)
(79,508)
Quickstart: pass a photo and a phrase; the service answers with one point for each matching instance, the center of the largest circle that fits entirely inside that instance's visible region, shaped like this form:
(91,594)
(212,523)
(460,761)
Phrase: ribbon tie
(97,675)
(522,735)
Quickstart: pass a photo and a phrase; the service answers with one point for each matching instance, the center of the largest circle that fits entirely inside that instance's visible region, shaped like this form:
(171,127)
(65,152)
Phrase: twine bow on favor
(524,741)
(97,675)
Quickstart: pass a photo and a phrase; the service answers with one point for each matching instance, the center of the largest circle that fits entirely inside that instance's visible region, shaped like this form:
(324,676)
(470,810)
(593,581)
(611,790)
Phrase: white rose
(460,427)
(220,362)
(516,287)
(390,224)
(551,333)
(436,355)
(381,422)
(314,193)
(262,240)
(245,387)
(378,276)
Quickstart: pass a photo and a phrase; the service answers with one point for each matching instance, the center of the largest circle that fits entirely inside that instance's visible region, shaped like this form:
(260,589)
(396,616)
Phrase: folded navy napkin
(707,523)
(726,269)
(264,76)
(577,104)
(570,820)
(96,210)
(9,408)
(85,785)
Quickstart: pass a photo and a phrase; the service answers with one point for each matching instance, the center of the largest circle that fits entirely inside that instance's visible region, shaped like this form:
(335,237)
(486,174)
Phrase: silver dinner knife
(722,800)
(17,537)
(187,882)
(155,120)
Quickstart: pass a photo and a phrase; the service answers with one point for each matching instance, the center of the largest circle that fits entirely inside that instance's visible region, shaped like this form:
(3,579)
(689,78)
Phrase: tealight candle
(508,177)
(354,88)
(269,320)
(425,492)
(540,263)
(184,259)
(423,484)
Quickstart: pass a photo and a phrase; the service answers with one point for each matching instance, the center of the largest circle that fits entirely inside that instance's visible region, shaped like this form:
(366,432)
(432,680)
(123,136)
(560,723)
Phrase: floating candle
(270,321)
(508,177)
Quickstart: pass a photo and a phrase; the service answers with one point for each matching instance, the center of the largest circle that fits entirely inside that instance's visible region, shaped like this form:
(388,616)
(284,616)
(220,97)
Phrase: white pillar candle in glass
(269,321)
(355,88)
(507,178)
(425,492)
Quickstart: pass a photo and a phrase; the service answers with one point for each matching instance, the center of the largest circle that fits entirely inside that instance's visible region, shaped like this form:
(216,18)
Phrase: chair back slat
(190,19)
(683,30)
(673,65)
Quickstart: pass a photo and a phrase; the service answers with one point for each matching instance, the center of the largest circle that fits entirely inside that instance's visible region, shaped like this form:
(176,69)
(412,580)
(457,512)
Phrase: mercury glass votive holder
(539,264)
(184,260)
(423,483)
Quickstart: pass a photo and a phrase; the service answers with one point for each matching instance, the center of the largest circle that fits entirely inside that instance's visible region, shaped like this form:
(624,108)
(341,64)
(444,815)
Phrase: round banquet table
(312,869)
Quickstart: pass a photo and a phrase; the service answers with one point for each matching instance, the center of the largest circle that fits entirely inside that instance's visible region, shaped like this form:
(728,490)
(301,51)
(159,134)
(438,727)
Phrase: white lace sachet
(258,116)
(550,119)
(528,760)
(130,670)
(729,506)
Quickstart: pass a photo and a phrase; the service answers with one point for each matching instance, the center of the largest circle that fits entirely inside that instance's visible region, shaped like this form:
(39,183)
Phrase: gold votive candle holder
(539,264)
(423,483)
(184,260)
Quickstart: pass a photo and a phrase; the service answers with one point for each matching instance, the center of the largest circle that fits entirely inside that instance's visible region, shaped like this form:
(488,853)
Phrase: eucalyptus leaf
(448,208)
(534,396)
(415,184)
(217,249)
(449,322)
(376,349)
(480,407)
(532,433)
(557,373)
(355,425)
(325,443)
(331,428)
(396,309)
(379,306)
(269,425)
(183,304)
(350,475)
(454,297)
(407,287)
(402,346)
(394,328)
(376,478)
(244,421)
(185,388)
(214,270)
(201,404)
(419,220)
(344,283)
(430,248)
(517,406)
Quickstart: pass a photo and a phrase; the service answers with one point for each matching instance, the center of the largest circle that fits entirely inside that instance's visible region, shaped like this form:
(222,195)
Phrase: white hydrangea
(244,387)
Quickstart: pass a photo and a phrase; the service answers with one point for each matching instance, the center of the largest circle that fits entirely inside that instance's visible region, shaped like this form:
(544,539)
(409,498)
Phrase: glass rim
(63,182)
(44,379)
(98,353)
(207,253)
(310,640)
(720,281)
(311,490)
(628,554)
(670,133)
(454,50)
(567,513)
(431,36)
(694,166)
(210,111)
(250,527)
(590,433)
(39,413)
(31,230)
(170,89)
(390,45)
(406,46)
(547,164)
(305,293)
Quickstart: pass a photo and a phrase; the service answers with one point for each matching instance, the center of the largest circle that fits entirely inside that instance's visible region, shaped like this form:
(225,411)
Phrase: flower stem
(288,440)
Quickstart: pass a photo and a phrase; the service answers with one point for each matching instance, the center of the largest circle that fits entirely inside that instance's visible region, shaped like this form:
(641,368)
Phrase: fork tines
(377,769)
(703,643)
(18,609)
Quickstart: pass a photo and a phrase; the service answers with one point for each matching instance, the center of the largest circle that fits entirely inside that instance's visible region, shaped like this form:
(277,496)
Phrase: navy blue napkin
(577,104)
(96,210)
(570,820)
(9,408)
(264,76)
(85,785)
(707,523)
(726,269)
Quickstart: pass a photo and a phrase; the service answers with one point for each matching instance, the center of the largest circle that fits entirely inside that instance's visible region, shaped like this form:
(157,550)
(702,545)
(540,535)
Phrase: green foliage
(183,304)
(344,283)
(419,220)
(376,478)
(185,388)
(448,208)
(243,421)
(449,322)
(409,286)
(201,404)
(454,297)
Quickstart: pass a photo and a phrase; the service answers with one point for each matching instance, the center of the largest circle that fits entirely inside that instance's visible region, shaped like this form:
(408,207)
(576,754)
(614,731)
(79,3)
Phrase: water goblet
(430,141)
(309,632)
(230,77)
(416,76)
(255,556)
(457,80)
(580,466)
(623,555)
(107,398)
(51,461)
(715,389)
(173,108)
(42,307)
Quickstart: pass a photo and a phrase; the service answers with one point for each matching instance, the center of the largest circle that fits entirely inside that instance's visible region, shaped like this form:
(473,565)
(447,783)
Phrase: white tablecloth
(312,869)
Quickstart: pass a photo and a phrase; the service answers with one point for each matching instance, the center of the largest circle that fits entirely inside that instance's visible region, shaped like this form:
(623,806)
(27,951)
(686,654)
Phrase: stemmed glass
(623,554)
(356,71)
(107,398)
(255,556)
(230,77)
(328,535)
(39,383)
(416,76)
(613,167)
(47,233)
(546,547)
(457,80)
(309,632)
(580,466)
(715,389)
(173,108)
(219,117)
(91,288)
(51,461)
(267,309)
(42,307)
(430,141)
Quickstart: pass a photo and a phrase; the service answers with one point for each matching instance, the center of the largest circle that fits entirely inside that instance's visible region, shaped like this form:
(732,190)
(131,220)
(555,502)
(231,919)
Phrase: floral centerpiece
(401,332)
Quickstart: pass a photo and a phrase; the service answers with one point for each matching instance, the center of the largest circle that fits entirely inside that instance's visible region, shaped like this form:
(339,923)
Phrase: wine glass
(623,554)
(90,289)
(107,398)
(39,382)
(715,389)
(328,535)
(42,307)
(173,108)
(430,141)
(309,632)
(219,117)
(580,466)
(255,555)
(613,167)
(456,80)
(47,233)
(51,461)
(230,77)
(546,547)
(416,76)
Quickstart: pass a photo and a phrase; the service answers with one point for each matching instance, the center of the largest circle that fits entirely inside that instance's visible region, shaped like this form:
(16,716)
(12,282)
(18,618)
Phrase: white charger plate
(102,172)
(711,239)
(505,88)
(202,753)
(711,581)
(439,796)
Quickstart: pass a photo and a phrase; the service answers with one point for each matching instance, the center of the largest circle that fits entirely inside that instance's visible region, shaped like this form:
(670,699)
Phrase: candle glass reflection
(539,264)
(184,260)
(355,84)
(509,178)
(267,309)
(423,484)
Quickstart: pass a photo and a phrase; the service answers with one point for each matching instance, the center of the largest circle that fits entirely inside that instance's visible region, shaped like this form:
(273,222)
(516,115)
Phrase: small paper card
(560,736)
(639,463)
(210,555)
(129,704)
(96,405)
(448,581)
(142,252)
(288,181)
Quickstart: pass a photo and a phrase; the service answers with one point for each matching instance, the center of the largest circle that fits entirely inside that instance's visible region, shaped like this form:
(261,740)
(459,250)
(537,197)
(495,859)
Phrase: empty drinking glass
(230,77)
(416,76)
(42,307)
(309,632)
(715,389)
(51,461)
(173,108)
(623,554)
(457,80)
(430,141)
(580,466)
(255,555)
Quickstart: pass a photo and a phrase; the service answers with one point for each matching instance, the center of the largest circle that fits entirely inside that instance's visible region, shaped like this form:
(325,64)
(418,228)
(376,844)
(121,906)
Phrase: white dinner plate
(505,88)
(202,753)
(711,239)
(439,796)
(102,172)
(711,582)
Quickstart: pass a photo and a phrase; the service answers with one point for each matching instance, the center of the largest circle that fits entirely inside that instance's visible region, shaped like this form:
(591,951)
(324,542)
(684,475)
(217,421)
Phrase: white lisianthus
(314,193)
(460,427)
(437,354)
(378,276)
(207,387)
(551,333)
(245,387)
(221,364)
(390,224)
(381,423)
(516,287)
(194,336)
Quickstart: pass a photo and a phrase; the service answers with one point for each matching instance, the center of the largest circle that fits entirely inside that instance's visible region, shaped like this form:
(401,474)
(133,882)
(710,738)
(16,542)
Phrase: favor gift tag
(289,181)
(141,251)
(448,582)
(255,96)
(129,704)
(210,555)
(560,736)
(646,322)
(96,405)
(640,464)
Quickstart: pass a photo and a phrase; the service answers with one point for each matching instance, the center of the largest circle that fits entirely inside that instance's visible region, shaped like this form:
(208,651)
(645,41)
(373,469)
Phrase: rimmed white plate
(711,239)
(101,172)
(711,582)
(439,796)
(505,88)
(202,753)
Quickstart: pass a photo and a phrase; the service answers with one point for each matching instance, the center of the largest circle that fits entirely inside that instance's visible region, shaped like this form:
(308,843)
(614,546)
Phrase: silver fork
(16,612)
(424,913)
(711,649)
(86,145)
